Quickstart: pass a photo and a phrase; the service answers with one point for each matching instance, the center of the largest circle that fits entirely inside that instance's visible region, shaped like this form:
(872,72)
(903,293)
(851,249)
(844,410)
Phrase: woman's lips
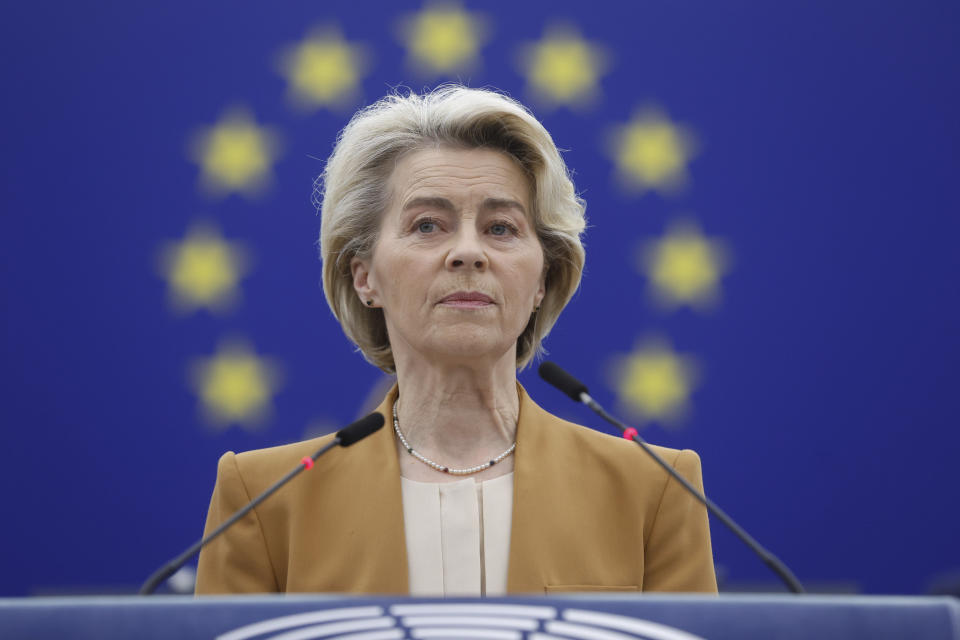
(467,300)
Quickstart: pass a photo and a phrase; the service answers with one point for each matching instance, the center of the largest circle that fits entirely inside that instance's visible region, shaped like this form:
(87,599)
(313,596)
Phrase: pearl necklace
(439,467)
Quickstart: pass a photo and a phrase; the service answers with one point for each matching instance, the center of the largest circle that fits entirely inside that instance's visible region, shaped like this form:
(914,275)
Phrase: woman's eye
(426,226)
(500,229)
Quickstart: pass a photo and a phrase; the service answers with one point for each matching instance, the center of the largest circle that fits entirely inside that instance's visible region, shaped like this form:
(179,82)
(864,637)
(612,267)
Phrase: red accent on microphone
(629,433)
(307,462)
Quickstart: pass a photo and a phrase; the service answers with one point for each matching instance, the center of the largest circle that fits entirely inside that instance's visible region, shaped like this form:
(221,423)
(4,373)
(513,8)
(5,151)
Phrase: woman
(450,238)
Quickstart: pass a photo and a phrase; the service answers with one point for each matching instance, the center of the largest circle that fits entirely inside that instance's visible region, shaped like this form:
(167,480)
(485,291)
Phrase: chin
(471,342)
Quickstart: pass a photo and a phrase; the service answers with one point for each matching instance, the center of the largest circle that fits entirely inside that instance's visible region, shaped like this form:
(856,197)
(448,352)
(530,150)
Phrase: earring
(536,308)
(369,303)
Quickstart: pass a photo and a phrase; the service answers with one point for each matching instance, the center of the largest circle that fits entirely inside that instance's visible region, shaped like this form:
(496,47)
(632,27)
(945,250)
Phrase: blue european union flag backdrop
(771,275)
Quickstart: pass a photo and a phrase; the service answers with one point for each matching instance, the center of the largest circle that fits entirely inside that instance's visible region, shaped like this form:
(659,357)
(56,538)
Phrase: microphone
(556,376)
(552,373)
(347,436)
(355,432)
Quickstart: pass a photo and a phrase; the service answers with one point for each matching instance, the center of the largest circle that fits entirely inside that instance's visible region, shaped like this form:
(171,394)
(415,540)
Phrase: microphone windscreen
(360,429)
(552,373)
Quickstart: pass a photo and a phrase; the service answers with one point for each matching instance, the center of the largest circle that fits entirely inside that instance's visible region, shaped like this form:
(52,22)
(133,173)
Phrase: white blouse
(458,536)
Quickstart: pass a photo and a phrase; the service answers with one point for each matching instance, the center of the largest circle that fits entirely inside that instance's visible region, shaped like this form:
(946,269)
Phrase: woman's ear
(362,282)
(542,290)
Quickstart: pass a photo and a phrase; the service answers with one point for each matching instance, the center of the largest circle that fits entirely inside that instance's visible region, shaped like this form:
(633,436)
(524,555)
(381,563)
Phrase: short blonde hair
(352,195)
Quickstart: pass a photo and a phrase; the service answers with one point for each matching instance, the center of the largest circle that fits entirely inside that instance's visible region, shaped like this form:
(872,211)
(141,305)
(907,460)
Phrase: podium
(574,616)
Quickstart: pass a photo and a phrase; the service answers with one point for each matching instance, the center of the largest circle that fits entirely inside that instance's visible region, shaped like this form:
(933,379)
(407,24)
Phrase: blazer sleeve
(237,561)
(677,554)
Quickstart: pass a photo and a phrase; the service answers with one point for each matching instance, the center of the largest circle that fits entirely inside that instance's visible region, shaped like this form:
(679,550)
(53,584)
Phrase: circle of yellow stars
(650,152)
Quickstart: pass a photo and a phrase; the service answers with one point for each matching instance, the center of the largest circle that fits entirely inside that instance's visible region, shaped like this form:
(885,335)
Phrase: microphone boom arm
(171,567)
(345,437)
(577,391)
(774,563)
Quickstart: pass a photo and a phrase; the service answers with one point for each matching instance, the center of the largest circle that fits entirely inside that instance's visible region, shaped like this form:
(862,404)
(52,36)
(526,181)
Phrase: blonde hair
(352,195)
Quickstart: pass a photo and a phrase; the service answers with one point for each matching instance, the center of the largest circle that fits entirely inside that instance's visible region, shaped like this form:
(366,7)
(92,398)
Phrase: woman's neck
(457,415)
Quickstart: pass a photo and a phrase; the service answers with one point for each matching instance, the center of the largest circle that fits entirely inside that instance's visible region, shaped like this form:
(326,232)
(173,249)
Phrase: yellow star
(235,155)
(563,68)
(654,383)
(323,70)
(442,38)
(203,270)
(684,267)
(652,153)
(235,385)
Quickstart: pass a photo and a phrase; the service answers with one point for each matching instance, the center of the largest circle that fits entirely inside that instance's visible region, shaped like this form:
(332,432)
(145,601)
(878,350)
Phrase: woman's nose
(467,251)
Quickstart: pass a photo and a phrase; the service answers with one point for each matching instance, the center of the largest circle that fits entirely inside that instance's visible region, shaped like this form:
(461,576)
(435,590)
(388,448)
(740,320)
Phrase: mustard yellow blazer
(591,512)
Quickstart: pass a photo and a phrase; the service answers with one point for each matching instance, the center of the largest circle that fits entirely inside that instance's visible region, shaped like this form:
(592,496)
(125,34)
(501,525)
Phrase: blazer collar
(531,490)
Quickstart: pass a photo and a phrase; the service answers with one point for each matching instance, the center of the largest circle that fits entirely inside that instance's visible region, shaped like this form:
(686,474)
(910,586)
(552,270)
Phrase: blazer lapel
(385,549)
(531,500)
(370,530)
(373,500)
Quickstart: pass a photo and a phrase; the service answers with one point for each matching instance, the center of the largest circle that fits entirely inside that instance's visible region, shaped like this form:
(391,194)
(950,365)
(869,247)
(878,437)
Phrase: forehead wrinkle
(421,175)
(435,202)
(452,193)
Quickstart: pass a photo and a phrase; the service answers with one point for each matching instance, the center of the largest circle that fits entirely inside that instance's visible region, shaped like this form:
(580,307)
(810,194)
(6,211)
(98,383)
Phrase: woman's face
(458,267)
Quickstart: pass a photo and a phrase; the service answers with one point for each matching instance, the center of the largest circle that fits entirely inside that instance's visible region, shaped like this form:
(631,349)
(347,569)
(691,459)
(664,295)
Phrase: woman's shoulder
(271,463)
(596,446)
(612,446)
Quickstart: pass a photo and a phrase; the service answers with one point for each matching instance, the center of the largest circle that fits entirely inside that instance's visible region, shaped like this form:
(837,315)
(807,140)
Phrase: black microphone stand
(566,383)
(345,437)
